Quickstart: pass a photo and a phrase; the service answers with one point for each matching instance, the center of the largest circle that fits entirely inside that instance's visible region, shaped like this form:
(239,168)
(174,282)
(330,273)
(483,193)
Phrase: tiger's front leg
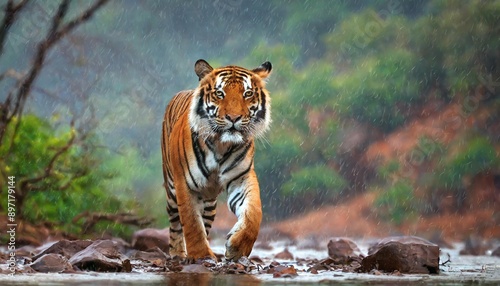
(195,234)
(244,202)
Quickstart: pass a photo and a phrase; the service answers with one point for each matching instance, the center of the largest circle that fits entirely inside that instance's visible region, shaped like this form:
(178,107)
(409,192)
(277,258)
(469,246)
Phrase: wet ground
(461,269)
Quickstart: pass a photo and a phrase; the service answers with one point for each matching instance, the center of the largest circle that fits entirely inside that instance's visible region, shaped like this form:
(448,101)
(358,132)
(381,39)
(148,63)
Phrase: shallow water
(189,279)
(462,270)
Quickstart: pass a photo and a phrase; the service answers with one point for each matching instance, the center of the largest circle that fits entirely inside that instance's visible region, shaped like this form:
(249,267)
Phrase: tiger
(208,148)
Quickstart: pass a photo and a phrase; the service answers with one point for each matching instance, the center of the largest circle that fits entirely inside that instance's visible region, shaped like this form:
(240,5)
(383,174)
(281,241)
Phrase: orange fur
(207,148)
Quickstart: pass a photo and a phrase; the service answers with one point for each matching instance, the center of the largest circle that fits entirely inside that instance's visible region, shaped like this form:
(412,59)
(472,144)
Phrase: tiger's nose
(233,117)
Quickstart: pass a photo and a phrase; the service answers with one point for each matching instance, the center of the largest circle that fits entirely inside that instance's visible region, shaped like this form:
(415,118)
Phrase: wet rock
(26,251)
(149,238)
(155,256)
(342,250)
(51,262)
(256,259)
(123,246)
(282,271)
(406,254)
(285,255)
(19,269)
(236,268)
(102,256)
(496,252)
(175,264)
(474,245)
(65,248)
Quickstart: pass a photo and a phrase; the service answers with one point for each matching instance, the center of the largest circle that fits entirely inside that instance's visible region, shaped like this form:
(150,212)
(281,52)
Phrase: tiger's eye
(219,93)
(248,93)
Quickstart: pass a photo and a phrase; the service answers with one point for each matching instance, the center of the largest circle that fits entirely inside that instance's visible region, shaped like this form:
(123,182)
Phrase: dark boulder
(102,256)
(496,252)
(149,238)
(65,248)
(51,262)
(342,250)
(405,254)
(285,255)
(155,256)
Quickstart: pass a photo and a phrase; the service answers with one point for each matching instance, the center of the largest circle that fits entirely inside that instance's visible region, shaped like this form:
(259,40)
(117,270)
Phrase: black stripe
(171,195)
(183,104)
(235,200)
(169,175)
(175,230)
(231,151)
(238,159)
(210,208)
(187,162)
(210,146)
(239,175)
(172,209)
(199,109)
(199,154)
(226,155)
(262,113)
(242,201)
(175,219)
(209,217)
(170,185)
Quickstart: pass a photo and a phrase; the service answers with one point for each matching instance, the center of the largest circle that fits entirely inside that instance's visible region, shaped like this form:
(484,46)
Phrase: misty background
(394,98)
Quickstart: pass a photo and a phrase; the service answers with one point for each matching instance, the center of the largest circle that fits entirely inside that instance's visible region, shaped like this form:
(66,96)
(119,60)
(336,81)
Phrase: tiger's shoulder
(177,108)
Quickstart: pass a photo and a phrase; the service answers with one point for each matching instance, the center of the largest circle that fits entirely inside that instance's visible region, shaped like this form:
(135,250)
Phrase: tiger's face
(230,103)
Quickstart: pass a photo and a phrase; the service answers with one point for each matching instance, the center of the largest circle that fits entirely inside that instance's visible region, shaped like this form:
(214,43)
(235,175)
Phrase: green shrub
(380,89)
(477,155)
(398,202)
(456,45)
(317,180)
(75,183)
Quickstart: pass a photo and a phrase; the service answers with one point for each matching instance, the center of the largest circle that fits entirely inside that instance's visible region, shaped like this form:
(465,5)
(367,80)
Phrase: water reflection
(205,279)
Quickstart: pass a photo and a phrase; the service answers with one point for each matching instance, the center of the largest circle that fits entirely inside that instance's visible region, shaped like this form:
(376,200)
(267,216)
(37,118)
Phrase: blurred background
(386,114)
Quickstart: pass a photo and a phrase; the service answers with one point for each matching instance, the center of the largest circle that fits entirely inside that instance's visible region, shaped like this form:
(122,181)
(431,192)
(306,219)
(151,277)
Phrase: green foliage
(380,89)
(388,170)
(318,179)
(312,86)
(476,156)
(366,34)
(73,185)
(32,149)
(334,64)
(397,203)
(459,43)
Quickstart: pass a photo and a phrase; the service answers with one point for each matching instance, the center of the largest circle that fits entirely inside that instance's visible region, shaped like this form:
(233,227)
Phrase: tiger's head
(230,103)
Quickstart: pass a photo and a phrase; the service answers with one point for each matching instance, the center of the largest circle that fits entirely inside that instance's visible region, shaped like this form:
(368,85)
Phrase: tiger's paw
(207,254)
(239,244)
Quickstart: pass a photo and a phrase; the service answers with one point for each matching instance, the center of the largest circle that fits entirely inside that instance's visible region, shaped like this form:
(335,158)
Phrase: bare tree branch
(55,34)
(11,12)
(78,174)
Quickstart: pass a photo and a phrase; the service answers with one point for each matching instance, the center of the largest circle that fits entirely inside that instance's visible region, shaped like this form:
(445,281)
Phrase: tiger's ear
(264,70)
(202,68)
